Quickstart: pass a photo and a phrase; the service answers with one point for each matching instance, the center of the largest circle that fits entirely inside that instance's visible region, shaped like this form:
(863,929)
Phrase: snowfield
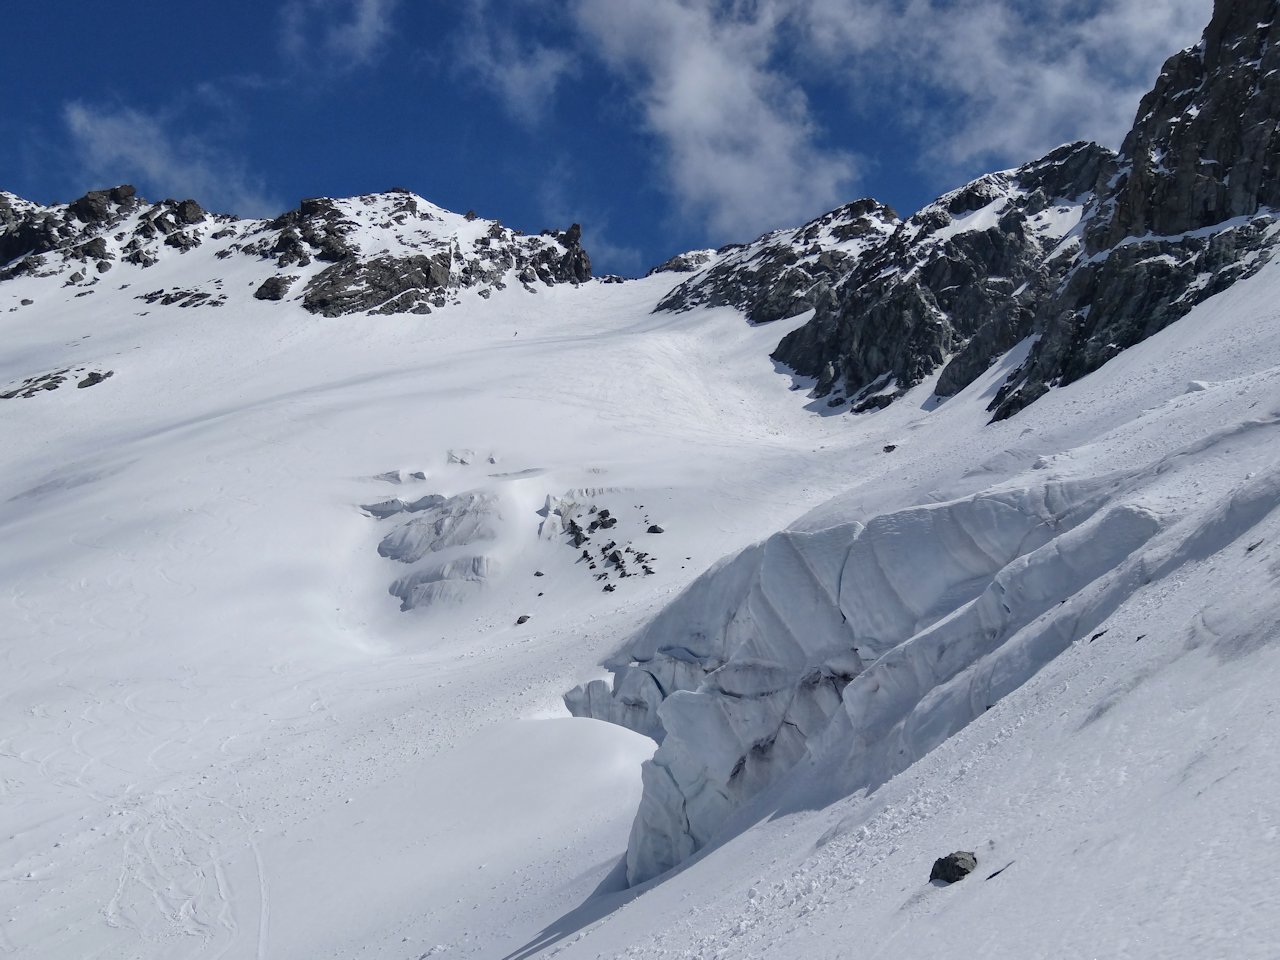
(265,694)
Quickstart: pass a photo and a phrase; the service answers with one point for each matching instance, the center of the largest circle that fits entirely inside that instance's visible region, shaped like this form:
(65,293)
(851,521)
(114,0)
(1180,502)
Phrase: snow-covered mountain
(382,253)
(314,527)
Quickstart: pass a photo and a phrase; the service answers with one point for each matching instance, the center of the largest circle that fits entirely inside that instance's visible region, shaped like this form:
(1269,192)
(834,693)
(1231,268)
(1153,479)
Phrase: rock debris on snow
(954,866)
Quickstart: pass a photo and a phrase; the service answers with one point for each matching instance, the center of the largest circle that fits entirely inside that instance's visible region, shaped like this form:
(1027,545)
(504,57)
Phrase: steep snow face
(894,607)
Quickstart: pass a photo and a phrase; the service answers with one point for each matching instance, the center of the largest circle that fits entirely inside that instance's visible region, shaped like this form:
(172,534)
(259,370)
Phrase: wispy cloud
(332,36)
(120,144)
(722,86)
(1000,80)
(523,73)
(739,145)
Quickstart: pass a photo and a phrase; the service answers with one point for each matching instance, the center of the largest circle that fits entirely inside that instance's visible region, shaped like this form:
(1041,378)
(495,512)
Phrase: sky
(659,125)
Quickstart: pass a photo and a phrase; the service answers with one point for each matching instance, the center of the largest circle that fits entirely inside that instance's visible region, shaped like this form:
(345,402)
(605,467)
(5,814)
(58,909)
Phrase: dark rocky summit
(1088,251)
(274,288)
(1184,212)
(381,253)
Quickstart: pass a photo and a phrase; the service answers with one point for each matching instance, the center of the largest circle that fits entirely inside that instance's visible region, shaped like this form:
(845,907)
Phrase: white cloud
(497,49)
(723,86)
(740,147)
(118,145)
(335,35)
(1003,80)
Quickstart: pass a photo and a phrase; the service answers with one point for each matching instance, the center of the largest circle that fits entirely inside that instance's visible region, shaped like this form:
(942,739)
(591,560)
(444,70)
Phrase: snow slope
(221,736)
(1151,522)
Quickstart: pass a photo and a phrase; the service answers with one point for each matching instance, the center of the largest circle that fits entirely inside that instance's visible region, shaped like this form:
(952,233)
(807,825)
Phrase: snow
(220,735)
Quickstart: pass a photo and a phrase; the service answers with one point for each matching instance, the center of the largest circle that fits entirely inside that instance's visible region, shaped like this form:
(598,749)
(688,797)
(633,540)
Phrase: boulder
(273,288)
(953,867)
(188,212)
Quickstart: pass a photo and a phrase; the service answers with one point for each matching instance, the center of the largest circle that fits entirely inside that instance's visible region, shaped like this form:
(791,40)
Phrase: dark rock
(274,288)
(188,212)
(953,867)
(181,240)
(877,401)
(1182,213)
(684,262)
(95,249)
(656,529)
(380,285)
(1206,144)
(890,447)
(94,378)
(32,386)
(786,272)
(93,207)
(1202,154)
(523,618)
(942,276)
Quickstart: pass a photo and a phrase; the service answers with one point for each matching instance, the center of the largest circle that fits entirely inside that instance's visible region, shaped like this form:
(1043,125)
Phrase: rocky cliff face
(967,268)
(783,273)
(1186,210)
(382,253)
(1088,251)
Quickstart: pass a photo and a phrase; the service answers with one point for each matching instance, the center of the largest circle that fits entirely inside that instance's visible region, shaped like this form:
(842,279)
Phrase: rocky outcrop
(382,253)
(783,273)
(98,206)
(1127,294)
(967,269)
(687,262)
(1204,148)
(274,288)
(1187,210)
(381,285)
(1089,253)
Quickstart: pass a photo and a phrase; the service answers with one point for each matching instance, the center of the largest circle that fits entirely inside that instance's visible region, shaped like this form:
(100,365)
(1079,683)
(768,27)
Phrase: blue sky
(660,125)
